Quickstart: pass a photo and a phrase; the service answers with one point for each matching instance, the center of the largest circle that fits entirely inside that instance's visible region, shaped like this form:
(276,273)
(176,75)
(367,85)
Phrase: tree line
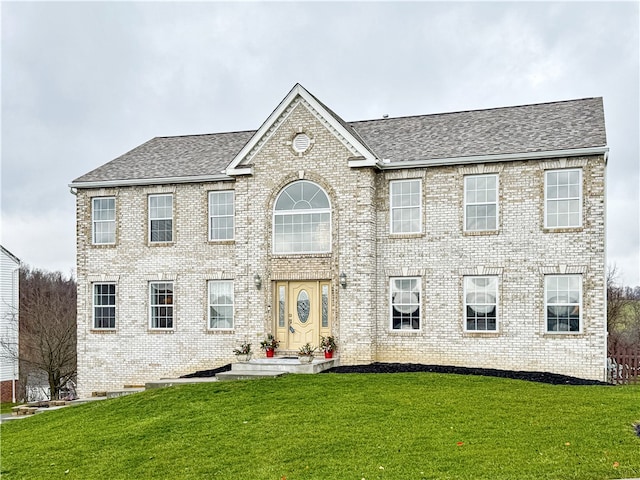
(46,324)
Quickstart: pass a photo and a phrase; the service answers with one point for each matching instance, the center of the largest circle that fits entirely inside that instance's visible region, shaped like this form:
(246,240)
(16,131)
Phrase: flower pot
(305,358)
(244,358)
(328,354)
(269,352)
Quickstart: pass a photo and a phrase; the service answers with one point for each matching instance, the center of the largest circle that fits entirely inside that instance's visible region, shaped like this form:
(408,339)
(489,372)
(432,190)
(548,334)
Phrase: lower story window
(563,297)
(161,305)
(405,303)
(104,305)
(481,303)
(220,304)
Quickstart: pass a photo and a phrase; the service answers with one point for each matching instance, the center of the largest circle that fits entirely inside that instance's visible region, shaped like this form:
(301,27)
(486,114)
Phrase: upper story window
(161,218)
(406,206)
(480,203)
(302,219)
(563,198)
(405,303)
(103,218)
(104,305)
(221,215)
(161,305)
(481,303)
(563,298)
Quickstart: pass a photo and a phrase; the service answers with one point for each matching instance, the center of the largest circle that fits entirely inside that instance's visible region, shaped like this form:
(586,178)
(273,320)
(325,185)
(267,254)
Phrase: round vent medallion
(301,142)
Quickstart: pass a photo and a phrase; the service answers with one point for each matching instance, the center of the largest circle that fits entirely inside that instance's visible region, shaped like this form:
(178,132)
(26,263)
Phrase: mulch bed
(542,377)
(377,367)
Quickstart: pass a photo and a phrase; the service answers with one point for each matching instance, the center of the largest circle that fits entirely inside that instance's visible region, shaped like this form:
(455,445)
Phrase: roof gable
(241,162)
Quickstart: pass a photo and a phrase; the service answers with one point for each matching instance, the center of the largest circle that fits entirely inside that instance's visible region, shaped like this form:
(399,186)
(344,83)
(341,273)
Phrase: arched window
(302,219)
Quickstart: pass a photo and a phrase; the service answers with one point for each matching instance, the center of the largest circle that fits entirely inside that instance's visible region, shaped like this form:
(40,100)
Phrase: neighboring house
(472,238)
(9,298)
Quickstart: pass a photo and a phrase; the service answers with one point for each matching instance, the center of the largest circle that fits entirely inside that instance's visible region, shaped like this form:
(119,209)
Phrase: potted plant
(305,354)
(269,345)
(328,346)
(243,354)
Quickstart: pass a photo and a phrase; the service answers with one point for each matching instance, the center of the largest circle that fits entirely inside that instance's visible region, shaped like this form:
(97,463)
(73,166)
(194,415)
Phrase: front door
(303,313)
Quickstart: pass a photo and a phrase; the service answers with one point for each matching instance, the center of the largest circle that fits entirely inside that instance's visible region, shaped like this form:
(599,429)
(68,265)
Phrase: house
(473,238)
(9,298)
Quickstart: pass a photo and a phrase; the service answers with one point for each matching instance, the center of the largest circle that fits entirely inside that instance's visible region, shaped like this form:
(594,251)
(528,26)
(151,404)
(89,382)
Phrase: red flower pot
(269,352)
(328,354)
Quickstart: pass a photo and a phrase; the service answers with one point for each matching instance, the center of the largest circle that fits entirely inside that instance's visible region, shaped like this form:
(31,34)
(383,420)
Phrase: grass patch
(384,426)
(6,407)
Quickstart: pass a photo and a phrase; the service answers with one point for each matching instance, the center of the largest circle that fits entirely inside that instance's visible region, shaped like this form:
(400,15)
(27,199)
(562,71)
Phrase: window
(405,303)
(563,198)
(406,209)
(302,219)
(481,304)
(103,213)
(161,304)
(480,203)
(563,295)
(221,215)
(161,218)
(104,305)
(220,304)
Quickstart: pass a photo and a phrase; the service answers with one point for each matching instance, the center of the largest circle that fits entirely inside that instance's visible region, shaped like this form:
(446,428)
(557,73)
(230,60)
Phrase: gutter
(504,157)
(149,181)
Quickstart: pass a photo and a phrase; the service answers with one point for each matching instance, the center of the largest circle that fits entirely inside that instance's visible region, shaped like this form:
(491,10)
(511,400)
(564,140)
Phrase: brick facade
(519,253)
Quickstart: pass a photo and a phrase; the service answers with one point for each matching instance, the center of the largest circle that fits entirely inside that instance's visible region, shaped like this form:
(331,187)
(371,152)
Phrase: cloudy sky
(84,82)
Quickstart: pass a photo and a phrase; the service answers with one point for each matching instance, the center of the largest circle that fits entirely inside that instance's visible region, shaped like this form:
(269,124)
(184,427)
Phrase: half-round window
(302,219)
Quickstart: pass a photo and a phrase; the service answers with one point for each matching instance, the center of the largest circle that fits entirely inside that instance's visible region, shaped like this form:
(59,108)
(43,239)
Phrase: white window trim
(496,203)
(209,305)
(464,303)
(233,216)
(173,306)
(546,321)
(392,208)
(420,306)
(301,212)
(580,198)
(94,221)
(93,306)
(166,218)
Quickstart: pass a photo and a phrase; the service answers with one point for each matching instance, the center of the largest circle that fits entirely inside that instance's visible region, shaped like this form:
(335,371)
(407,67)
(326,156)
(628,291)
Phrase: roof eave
(504,157)
(150,181)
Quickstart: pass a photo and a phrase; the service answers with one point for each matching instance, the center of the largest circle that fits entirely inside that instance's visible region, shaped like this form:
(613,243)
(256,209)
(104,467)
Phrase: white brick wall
(520,253)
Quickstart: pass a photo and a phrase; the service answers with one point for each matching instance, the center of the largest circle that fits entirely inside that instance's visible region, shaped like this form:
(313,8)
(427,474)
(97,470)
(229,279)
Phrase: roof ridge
(206,134)
(488,109)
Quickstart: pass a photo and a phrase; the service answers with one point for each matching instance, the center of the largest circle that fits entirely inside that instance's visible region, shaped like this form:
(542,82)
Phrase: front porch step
(124,391)
(284,365)
(247,375)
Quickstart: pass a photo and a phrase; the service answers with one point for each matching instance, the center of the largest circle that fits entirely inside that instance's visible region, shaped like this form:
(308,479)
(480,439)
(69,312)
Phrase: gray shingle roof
(530,128)
(542,127)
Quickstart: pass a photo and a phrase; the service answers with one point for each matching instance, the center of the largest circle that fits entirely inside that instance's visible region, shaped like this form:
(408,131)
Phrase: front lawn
(333,426)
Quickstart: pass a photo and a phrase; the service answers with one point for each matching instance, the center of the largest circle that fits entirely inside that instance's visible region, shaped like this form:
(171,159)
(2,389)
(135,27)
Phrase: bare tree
(623,313)
(47,327)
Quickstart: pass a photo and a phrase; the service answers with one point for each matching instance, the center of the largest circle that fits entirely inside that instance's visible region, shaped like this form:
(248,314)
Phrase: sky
(84,82)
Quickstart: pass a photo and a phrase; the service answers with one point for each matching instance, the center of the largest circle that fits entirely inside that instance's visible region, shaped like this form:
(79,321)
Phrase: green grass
(384,426)
(6,407)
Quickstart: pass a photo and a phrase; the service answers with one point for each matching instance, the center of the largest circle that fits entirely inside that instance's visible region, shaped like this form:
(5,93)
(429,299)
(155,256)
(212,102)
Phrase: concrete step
(124,391)
(287,365)
(247,375)
(170,382)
